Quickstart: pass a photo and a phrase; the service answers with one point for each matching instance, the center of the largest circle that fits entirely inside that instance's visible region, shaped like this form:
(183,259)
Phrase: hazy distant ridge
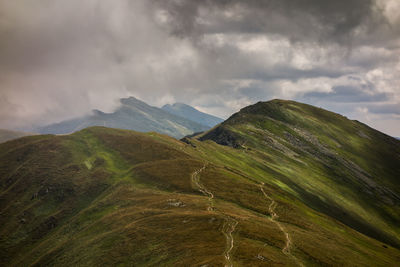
(193,114)
(6,135)
(133,114)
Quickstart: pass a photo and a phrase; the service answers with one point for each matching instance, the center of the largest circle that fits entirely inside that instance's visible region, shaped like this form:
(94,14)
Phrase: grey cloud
(293,74)
(352,94)
(60,59)
(300,20)
(385,109)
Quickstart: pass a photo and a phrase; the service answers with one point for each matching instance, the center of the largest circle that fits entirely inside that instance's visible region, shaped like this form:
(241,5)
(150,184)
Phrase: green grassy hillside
(116,197)
(337,166)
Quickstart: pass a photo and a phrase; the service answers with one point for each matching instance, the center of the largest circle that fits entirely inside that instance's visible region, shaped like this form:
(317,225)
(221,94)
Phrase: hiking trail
(230,223)
(271,209)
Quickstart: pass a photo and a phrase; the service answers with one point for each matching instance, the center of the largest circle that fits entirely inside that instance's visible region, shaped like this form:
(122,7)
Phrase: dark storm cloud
(299,20)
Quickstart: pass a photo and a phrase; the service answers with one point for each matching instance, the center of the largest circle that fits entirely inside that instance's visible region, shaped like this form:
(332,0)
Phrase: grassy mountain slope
(133,114)
(6,135)
(337,166)
(188,112)
(115,197)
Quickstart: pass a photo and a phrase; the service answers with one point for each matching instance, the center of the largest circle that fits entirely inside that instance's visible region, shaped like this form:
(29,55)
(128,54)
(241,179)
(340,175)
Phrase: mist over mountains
(177,120)
(193,114)
(6,135)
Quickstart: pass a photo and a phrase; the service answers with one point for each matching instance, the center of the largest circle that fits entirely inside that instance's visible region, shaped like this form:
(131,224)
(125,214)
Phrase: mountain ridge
(286,191)
(280,131)
(189,112)
(6,135)
(133,114)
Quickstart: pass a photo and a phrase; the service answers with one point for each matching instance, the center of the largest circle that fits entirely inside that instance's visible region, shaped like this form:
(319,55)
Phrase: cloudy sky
(60,59)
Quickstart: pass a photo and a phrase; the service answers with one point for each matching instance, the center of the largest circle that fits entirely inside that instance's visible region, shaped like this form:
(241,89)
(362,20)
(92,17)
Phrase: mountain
(339,167)
(189,112)
(279,183)
(133,114)
(6,135)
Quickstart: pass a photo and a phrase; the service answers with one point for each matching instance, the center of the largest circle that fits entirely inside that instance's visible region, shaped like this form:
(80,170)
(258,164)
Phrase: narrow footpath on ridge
(230,223)
(271,209)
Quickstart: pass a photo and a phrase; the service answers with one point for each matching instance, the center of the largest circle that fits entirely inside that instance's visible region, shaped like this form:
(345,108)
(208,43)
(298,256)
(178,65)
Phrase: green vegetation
(292,185)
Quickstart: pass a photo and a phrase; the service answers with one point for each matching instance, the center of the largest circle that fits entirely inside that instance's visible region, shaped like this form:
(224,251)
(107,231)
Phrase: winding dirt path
(230,223)
(287,248)
(227,229)
(202,188)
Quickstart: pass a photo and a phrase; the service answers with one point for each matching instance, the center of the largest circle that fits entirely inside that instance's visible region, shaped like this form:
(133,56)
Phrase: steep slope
(6,135)
(339,167)
(189,112)
(115,197)
(133,114)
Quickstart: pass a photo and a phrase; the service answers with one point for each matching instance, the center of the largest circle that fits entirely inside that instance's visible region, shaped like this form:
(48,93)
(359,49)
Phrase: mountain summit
(337,166)
(193,114)
(132,114)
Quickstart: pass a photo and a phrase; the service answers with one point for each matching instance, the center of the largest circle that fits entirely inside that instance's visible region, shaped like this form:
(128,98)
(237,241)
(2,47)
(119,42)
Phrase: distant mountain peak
(178,104)
(98,112)
(133,114)
(131,101)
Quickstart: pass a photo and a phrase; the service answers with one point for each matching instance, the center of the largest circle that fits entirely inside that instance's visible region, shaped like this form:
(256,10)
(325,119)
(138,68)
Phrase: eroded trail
(287,248)
(227,229)
(230,223)
(202,188)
